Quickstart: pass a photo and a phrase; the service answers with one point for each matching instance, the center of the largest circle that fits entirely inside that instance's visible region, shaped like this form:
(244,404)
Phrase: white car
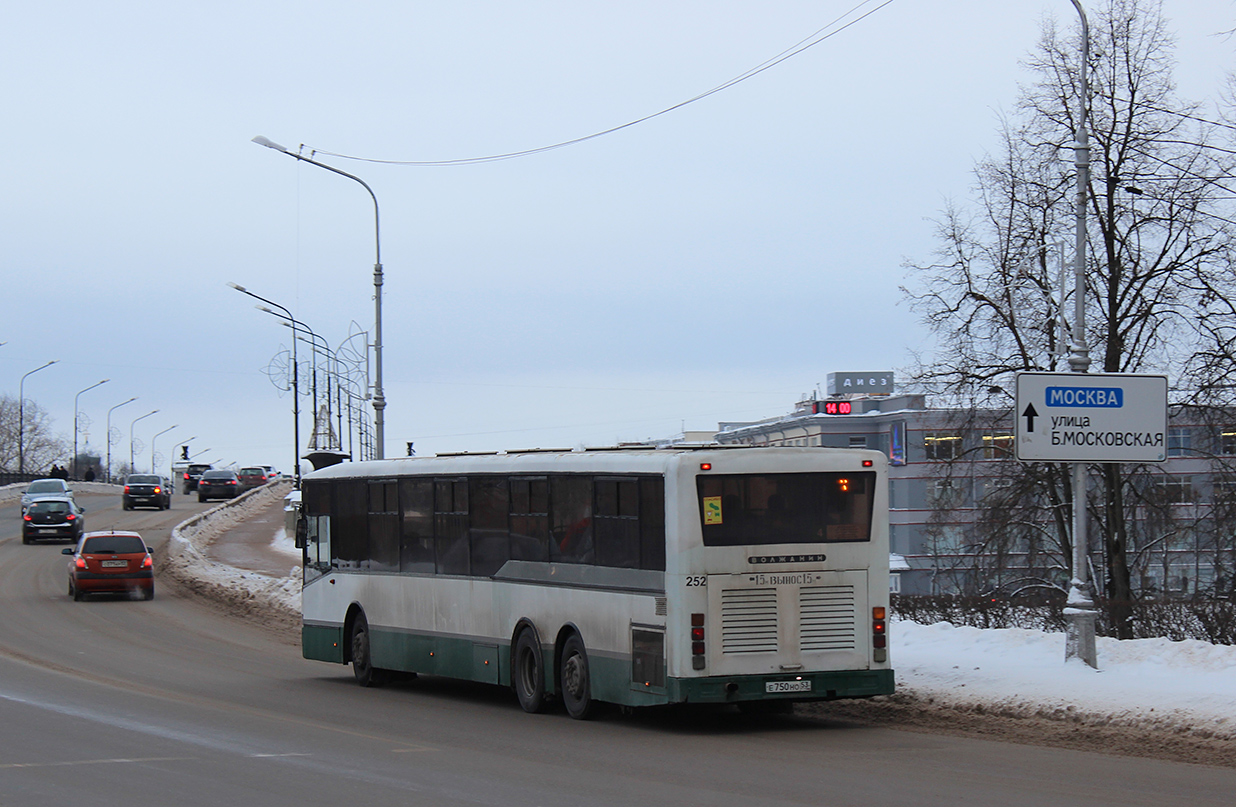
(43,489)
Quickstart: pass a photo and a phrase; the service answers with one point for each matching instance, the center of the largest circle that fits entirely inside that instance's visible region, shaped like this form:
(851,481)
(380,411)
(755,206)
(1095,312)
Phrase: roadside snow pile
(256,595)
(1184,687)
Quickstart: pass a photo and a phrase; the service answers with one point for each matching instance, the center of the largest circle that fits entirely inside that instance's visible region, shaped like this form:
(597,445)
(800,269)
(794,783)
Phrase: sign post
(1081,418)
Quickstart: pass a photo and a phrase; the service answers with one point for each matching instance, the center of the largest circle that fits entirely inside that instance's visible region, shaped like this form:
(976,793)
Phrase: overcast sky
(711,264)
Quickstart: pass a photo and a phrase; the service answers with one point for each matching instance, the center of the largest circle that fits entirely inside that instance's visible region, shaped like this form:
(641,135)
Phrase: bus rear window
(804,508)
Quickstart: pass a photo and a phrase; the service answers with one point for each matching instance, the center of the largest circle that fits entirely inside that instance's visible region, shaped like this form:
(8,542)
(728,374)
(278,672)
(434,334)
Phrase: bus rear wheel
(528,672)
(362,664)
(576,681)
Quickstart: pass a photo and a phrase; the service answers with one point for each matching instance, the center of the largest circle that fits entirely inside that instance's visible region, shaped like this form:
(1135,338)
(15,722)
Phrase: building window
(1224,491)
(997,444)
(996,488)
(942,445)
(943,492)
(1176,488)
(1227,440)
(1179,441)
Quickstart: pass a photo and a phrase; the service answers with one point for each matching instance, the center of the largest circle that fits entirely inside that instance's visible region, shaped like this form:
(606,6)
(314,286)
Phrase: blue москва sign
(1086,397)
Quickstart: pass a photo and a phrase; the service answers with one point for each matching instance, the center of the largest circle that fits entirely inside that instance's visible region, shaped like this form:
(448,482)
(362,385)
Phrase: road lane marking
(72,763)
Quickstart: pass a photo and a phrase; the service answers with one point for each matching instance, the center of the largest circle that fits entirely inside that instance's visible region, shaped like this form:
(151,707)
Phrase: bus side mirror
(302,533)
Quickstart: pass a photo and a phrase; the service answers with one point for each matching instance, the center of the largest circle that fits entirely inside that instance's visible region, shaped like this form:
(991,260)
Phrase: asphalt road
(123,702)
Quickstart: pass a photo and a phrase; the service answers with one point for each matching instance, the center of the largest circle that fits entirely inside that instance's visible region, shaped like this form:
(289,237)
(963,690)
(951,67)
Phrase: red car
(253,477)
(112,561)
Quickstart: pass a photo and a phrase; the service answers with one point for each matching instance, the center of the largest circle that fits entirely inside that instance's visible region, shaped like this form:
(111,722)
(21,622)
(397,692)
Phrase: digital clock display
(833,408)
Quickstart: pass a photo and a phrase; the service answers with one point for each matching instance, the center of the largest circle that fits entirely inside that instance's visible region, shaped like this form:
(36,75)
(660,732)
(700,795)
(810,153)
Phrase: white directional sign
(1091,417)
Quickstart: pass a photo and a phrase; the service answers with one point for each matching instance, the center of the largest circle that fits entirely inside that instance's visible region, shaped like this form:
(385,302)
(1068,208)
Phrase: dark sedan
(192,474)
(218,485)
(146,490)
(52,520)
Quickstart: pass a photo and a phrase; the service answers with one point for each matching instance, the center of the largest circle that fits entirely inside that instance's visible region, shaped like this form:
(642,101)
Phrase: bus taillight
(697,641)
(879,634)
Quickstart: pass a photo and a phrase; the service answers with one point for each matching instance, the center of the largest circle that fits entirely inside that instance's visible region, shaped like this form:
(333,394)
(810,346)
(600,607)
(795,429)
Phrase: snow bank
(259,596)
(1186,687)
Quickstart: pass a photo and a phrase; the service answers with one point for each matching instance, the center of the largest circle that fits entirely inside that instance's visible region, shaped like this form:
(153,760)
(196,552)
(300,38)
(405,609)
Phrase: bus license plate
(787,686)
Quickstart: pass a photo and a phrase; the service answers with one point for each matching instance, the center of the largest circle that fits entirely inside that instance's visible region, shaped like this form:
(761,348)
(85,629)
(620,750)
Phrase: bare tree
(39,447)
(1159,278)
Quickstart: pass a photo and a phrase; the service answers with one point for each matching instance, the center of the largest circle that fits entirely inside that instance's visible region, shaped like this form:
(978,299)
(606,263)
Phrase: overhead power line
(837,26)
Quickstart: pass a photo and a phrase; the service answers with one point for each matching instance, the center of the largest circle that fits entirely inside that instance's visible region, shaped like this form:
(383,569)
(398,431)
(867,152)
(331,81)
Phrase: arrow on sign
(1030,413)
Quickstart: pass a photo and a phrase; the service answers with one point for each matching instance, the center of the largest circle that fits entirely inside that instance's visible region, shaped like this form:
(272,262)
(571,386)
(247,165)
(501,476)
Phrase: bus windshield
(792,508)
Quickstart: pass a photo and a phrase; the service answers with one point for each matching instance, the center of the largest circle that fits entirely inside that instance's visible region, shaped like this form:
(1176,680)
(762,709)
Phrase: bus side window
(451,526)
(652,523)
(530,518)
(416,553)
(571,519)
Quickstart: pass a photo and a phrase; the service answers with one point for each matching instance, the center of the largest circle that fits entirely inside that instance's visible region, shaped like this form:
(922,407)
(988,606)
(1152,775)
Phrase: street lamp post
(1079,609)
(339,393)
(331,355)
(109,431)
(379,398)
(21,417)
(75,397)
(295,385)
(109,434)
(132,450)
(152,445)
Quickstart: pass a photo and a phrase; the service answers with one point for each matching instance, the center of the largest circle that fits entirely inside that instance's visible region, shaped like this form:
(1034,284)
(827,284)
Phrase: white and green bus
(632,576)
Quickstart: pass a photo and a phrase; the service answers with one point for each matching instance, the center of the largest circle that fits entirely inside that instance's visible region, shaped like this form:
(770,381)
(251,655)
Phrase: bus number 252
(696,580)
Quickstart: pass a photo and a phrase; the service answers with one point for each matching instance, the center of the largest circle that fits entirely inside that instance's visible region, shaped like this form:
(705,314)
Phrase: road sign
(1085,417)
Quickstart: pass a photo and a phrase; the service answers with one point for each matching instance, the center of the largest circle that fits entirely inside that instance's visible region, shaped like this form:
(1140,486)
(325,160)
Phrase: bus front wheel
(528,672)
(576,681)
(362,665)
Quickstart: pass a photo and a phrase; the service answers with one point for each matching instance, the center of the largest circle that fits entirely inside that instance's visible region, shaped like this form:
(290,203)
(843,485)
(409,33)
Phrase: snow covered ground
(1186,688)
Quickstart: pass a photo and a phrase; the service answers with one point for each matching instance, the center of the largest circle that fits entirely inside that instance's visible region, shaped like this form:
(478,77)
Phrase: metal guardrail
(12,477)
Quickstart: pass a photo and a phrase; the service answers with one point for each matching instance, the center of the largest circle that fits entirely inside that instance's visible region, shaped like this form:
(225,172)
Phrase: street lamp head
(238,287)
(262,141)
